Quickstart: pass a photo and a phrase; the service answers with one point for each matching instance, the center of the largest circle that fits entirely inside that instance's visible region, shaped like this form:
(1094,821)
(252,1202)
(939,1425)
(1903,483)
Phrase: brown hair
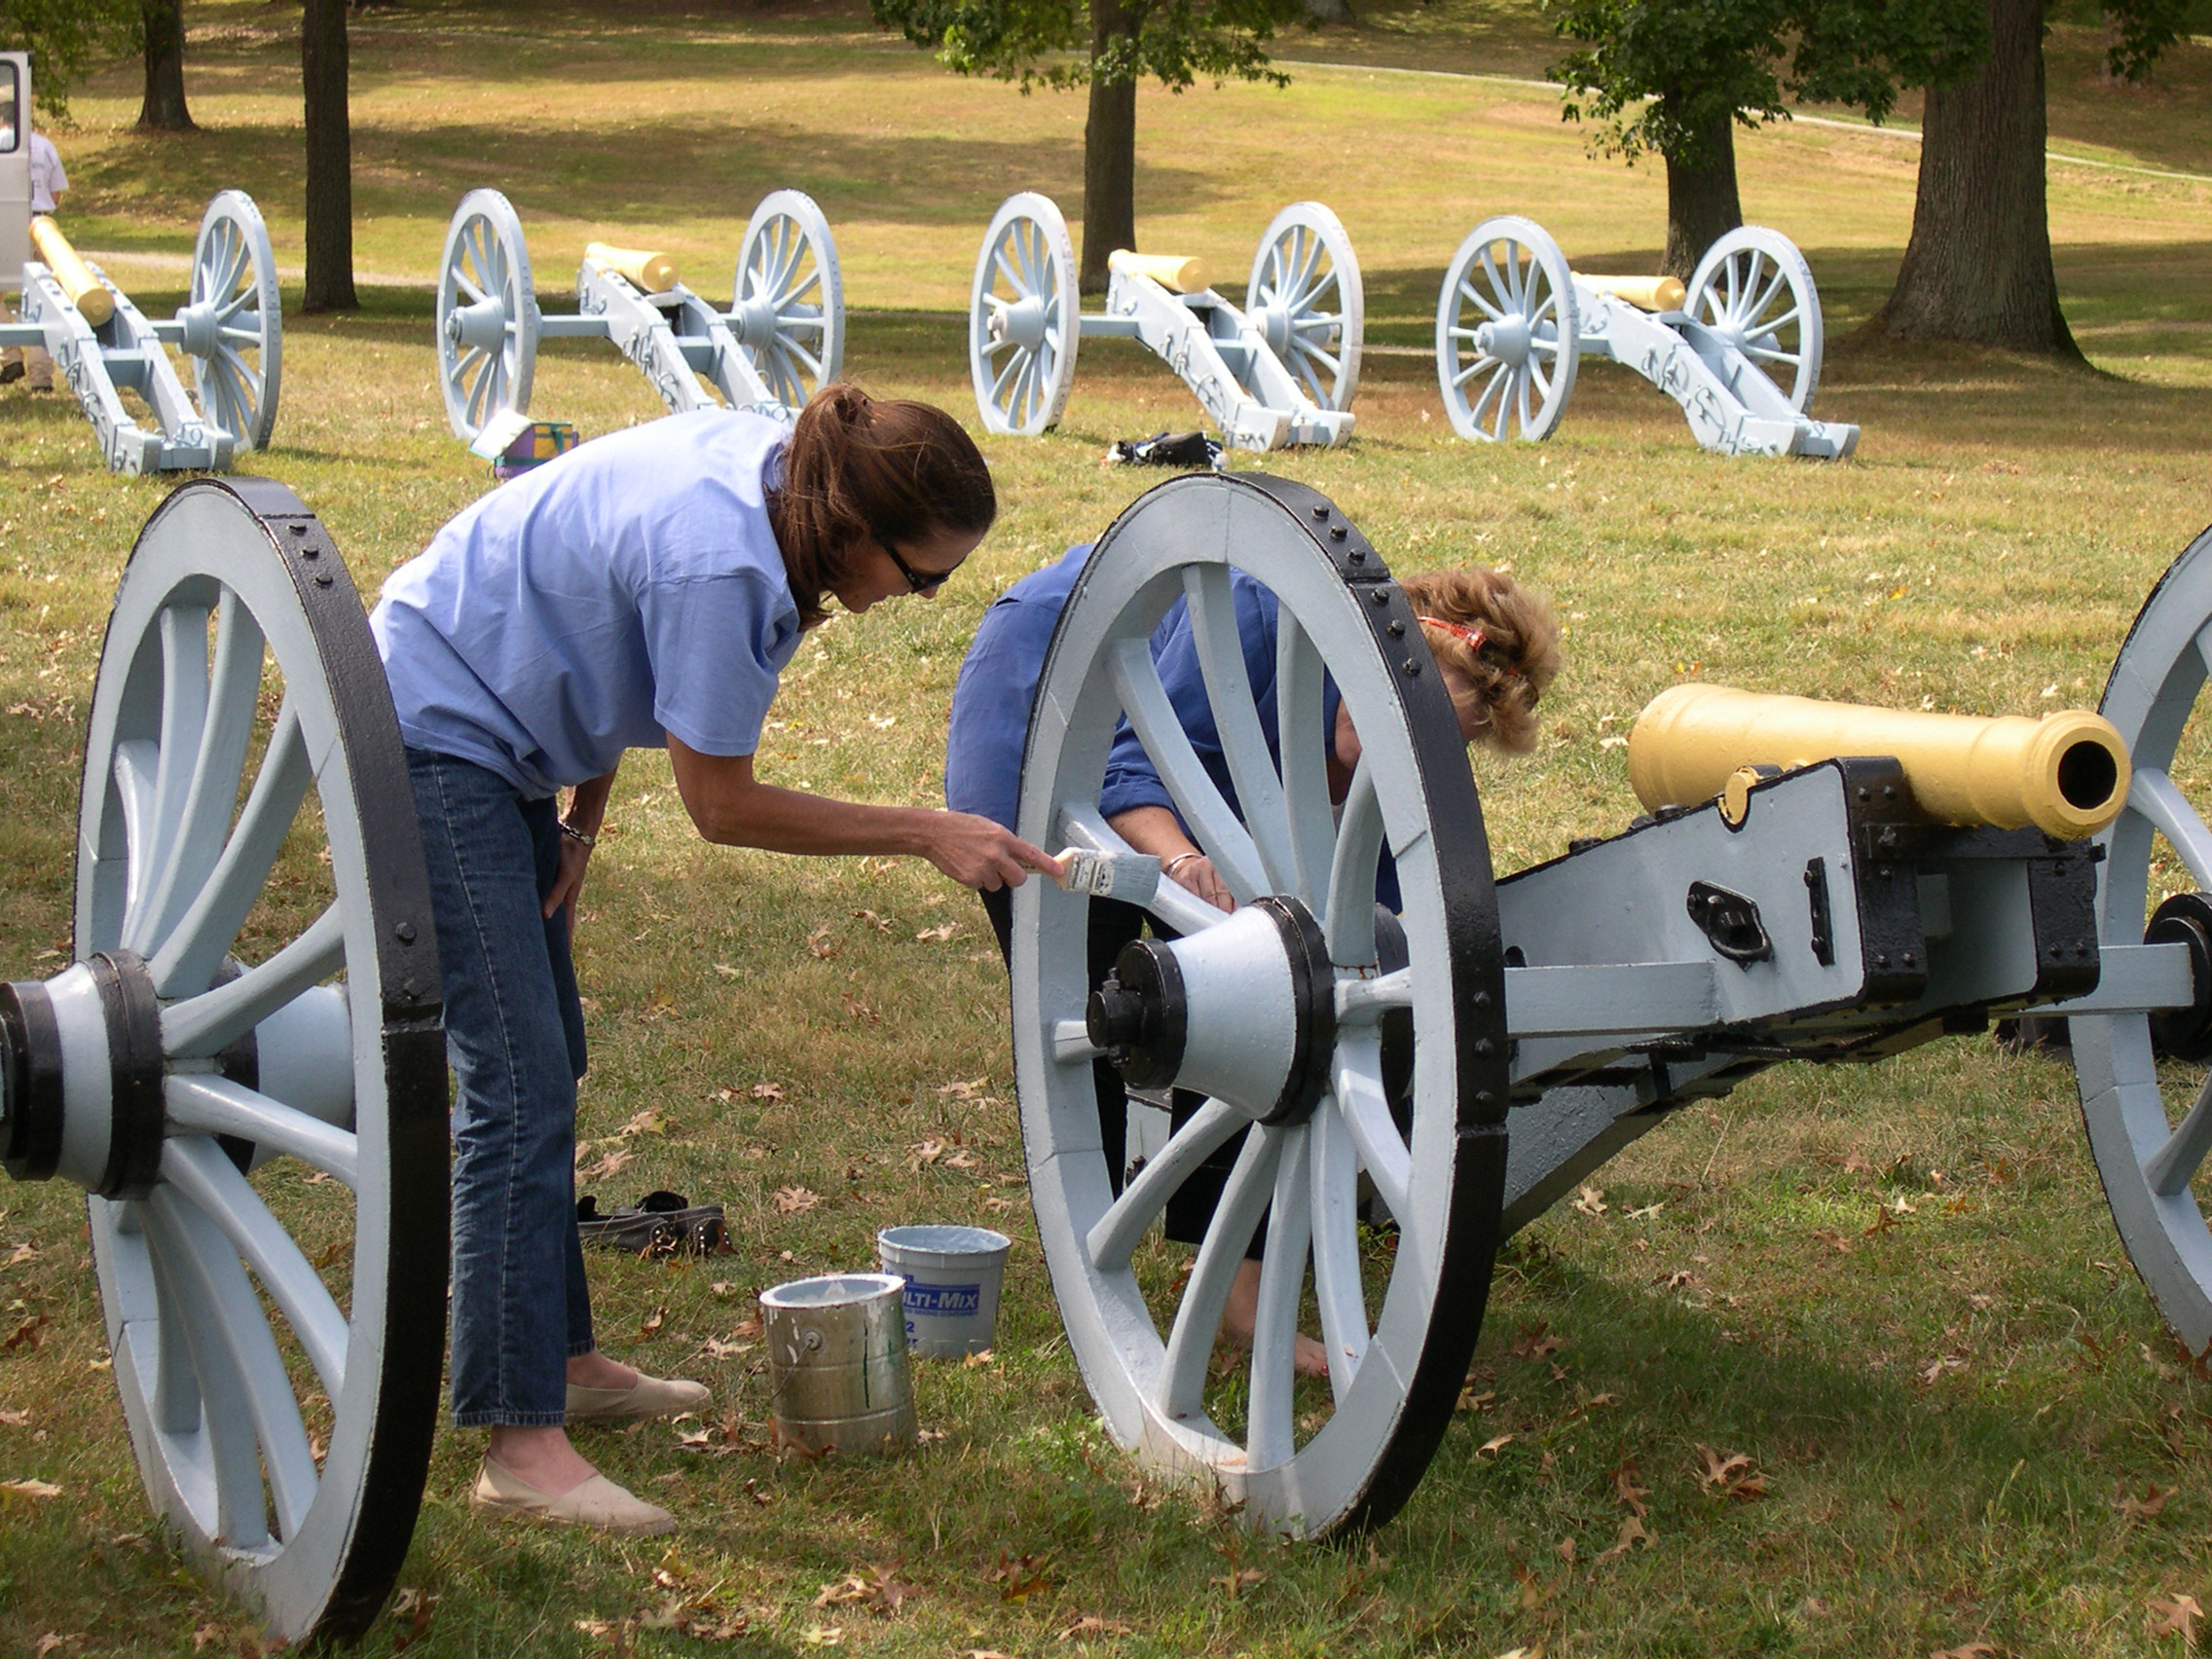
(858,470)
(1501,637)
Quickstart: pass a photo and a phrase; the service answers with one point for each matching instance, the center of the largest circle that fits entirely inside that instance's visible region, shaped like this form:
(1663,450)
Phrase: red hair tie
(1476,639)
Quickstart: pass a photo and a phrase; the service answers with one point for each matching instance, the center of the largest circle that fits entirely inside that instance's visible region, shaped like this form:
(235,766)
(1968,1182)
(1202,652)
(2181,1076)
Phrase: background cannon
(1738,347)
(1281,369)
(231,328)
(1473,1051)
(783,337)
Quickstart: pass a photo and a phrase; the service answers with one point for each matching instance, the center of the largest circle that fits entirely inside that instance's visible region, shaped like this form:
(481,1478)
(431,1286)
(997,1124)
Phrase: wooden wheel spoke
(1306,744)
(2153,793)
(1348,925)
(186,962)
(205,1023)
(1356,1080)
(1145,701)
(241,1344)
(201,1170)
(1267,1438)
(205,1103)
(1211,601)
(1337,1286)
(1114,1239)
(184,716)
(1244,1196)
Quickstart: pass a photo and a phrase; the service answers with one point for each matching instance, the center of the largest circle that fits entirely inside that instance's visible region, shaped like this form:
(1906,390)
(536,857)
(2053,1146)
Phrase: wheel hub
(1274,325)
(1244,1012)
(1506,339)
(755,322)
(81,1072)
(482,325)
(2186,1033)
(201,330)
(1021,323)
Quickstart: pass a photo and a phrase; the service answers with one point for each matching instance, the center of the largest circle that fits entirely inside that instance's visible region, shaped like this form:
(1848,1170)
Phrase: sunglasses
(920,581)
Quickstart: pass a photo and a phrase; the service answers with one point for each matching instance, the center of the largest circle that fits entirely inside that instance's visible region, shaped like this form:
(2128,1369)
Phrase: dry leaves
(2144,1508)
(1591,1201)
(821,1636)
(31,1488)
(767,1092)
(817,943)
(1631,1533)
(26,1335)
(645,1123)
(1020,1577)
(653,1323)
(20,1254)
(414,1609)
(938,935)
(2175,1616)
(16,1420)
(1626,1489)
(1495,1444)
(1238,1579)
(795,1200)
(1835,1241)
(879,1590)
(612,1164)
(1091,1624)
(1537,1343)
(881,924)
(1969,1650)
(963,1090)
(53,1639)
(1733,1475)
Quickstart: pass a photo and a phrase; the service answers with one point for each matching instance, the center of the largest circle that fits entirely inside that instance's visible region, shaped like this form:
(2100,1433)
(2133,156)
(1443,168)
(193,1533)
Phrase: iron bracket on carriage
(1279,370)
(781,338)
(230,328)
(1738,347)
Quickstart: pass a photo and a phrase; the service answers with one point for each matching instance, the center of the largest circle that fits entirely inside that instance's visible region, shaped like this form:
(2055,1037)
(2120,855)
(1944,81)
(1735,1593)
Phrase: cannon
(231,327)
(1279,371)
(783,337)
(1863,883)
(243,1066)
(1738,347)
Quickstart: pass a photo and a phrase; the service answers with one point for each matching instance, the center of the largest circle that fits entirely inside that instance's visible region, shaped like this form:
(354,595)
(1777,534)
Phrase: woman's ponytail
(858,470)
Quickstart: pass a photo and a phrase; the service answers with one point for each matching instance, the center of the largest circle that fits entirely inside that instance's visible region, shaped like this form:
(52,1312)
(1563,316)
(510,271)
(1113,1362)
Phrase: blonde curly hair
(1502,639)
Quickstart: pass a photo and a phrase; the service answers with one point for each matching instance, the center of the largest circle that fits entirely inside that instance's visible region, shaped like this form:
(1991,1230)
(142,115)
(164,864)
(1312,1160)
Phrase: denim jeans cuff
(495,1419)
(577,1351)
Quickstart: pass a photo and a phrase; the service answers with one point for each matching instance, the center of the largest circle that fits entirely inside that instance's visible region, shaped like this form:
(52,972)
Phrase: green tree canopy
(1674,77)
(1110,46)
(67,38)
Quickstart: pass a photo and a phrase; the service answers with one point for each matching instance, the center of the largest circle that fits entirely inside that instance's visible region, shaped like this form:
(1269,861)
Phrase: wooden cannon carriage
(1463,1055)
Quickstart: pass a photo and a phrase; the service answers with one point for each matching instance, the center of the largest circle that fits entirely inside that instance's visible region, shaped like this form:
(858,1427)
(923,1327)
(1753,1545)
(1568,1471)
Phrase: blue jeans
(515,1037)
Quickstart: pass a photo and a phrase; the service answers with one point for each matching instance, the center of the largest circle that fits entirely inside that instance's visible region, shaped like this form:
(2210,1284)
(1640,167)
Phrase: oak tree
(1108,46)
(65,38)
(162,108)
(1674,77)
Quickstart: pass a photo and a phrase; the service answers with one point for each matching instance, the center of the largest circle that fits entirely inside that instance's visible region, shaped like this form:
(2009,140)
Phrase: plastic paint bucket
(837,1370)
(952,1277)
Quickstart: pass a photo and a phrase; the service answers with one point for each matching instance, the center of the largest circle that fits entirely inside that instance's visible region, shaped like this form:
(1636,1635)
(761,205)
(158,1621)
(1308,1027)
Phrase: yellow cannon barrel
(87,292)
(1646,293)
(1171,271)
(654,272)
(2066,773)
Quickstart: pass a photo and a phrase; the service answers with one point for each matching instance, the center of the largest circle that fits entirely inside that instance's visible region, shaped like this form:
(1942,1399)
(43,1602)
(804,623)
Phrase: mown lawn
(1971,1423)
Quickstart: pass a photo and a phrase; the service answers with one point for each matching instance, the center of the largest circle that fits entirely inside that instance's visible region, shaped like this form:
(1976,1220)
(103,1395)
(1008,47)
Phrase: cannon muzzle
(2065,773)
(87,292)
(1174,272)
(654,273)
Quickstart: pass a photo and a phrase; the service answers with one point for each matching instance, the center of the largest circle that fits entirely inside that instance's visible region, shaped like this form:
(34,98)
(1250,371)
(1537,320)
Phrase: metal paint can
(837,1369)
(952,1276)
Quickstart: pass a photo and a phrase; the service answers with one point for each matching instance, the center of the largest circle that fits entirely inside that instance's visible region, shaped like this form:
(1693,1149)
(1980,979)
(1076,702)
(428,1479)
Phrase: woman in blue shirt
(645,590)
(1496,645)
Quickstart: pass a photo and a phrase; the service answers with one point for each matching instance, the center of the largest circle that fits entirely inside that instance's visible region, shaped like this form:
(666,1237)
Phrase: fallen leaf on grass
(1537,1651)
(794,1200)
(1470,1401)
(653,1323)
(978,1360)
(1564,1549)
(881,924)
(1020,1577)
(964,1091)
(1537,1343)
(963,1158)
(412,1608)
(986,1653)
(31,1488)
(1969,1650)
(1646,1212)
(2151,1503)
(1733,1475)
(1002,1205)
(937,935)
(1626,1489)
(1091,1624)
(26,1335)
(1238,1578)
(1591,1200)
(879,1590)
(1495,1444)
(612,1164)
(767,1092)
(16,1420)
(1885,1220)
(1835,1241)
(821,1636)
(1631,1532)
(928,1151)
(1942,1363)
(20,1254)
(54,1638)
(2175,1616)
(205,1634)
(645,1123)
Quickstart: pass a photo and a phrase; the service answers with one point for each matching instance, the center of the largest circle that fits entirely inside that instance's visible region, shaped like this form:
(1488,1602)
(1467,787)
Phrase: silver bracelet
(574,834)
(1178,862)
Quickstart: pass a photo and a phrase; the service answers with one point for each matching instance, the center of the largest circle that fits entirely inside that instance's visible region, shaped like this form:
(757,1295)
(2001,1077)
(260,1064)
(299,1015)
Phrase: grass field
(1970,1422)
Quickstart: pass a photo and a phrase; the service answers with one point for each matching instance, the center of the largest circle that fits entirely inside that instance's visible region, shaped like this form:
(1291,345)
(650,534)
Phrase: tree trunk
(330,159)
(1979,264)
(162,109)
(1702,204)
(1108,150)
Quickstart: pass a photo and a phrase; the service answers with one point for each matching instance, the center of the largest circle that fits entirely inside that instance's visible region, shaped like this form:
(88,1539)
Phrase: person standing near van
(31,364)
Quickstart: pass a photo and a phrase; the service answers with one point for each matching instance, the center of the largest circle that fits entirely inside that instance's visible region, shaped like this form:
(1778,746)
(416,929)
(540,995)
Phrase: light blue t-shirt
(631,588)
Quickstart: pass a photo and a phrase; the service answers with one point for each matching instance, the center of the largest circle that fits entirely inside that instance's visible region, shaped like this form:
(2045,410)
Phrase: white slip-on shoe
(647,1397)
(597,1504)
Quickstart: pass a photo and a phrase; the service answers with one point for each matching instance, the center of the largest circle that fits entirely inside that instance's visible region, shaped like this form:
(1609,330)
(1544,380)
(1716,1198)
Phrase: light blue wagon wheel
(487,317)
(1022,317)
(790,308)
(1508,333)
(1755,290)
(1306,301)
(233,325)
